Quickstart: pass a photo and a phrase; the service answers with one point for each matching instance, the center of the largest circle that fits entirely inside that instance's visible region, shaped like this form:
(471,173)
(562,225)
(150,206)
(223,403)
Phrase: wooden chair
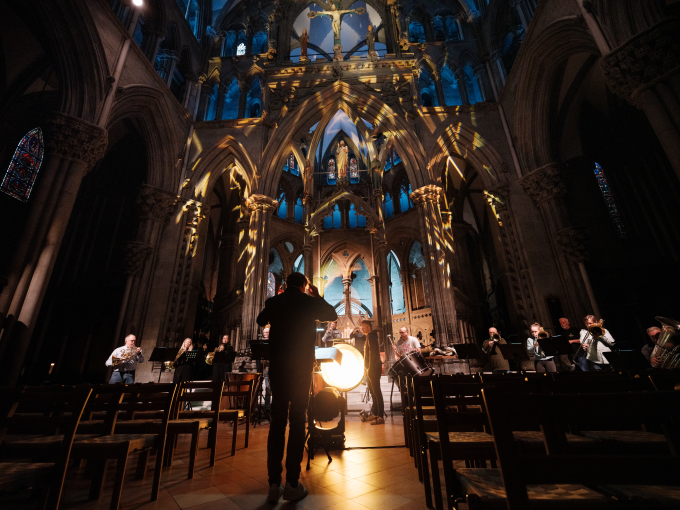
(62,408)
(556,475)
(192,422)
(239,398)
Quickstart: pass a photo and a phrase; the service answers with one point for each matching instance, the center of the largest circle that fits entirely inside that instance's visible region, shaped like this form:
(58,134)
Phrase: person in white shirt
(129,356)
(542,363)
(406,343)
(596,346)
(332,333)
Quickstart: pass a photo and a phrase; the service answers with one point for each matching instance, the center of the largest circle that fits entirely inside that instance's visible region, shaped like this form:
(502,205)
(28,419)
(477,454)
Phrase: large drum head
(349,374)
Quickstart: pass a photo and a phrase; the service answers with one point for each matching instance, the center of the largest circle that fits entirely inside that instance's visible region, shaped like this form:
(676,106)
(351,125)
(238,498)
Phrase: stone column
(498,68)
(442,301)
(309,261)
(384,296)
(524,16)
(243,97)
(460,78)
(134,255)
(646,72)
(255,291)
(221,91)
(203,101)
(153,36)
(73,146)
(406,285)
(347,284)
(572,242)
(480,76)
(373,280)
(546,187)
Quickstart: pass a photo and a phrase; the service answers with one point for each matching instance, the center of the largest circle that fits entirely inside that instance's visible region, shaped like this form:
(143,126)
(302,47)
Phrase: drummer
(405,344)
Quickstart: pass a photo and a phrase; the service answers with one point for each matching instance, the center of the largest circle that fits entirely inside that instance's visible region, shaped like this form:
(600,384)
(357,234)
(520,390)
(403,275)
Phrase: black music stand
(161,355)
(555,345)
(515,353)
(468,352)
(627,360)
(259,350)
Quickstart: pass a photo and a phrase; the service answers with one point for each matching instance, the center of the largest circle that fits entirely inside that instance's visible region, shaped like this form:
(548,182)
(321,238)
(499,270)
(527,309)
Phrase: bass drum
(412,364)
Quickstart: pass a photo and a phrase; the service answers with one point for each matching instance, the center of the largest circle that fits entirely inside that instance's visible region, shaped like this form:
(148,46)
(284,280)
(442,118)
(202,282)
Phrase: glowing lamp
(348,374)
(138,3)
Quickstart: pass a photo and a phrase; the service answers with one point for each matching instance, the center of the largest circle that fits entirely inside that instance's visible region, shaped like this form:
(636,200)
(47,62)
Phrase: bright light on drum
(348,375)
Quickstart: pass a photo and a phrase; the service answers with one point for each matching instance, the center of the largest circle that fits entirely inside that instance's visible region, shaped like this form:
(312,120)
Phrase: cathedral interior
(440,165)
(444,166)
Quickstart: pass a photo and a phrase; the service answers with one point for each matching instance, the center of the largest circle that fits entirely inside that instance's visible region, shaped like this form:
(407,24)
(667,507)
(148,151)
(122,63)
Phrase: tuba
(666,346)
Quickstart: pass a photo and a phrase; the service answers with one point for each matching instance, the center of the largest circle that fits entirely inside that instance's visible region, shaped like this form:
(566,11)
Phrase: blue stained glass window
(291,165)
(271,285)
(22,171)
(389,206)
(299,210)
(283,207)
(405,199)
(331,171)
(353,169)
(609,200)
(393,159)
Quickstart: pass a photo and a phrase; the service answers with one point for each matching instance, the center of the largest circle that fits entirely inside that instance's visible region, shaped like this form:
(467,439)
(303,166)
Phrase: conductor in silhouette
(292,316)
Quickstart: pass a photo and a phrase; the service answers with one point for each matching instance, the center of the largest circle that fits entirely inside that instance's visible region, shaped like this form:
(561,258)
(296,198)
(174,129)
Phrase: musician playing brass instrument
(542,363)
(496,360)
(223,359)
(595,340)
(124,361)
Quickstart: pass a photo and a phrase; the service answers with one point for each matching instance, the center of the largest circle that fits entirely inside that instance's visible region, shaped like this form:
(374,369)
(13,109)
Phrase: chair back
(238,395)
(191,391)
(557,413)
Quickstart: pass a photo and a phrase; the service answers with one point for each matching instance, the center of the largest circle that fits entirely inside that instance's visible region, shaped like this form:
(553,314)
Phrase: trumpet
(495,337)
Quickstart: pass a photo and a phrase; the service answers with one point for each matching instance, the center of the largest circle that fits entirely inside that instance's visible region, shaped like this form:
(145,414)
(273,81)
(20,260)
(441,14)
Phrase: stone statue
(304,40)
(336,18)
(341,157)
(370,41)
(308,176)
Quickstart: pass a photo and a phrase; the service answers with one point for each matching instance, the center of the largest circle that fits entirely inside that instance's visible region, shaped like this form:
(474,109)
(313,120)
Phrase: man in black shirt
(292,316)
(573,335)
(373,367)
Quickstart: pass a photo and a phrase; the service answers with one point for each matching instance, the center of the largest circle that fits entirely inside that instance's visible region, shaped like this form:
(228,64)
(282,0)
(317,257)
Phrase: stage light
(138,3)
(348,374)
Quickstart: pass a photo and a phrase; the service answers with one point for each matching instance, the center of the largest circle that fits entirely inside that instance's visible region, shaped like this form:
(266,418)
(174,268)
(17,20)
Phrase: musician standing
(331,334)
(595,346)
(129,356)
(654,333)
(222,362)
(406,343)
(184,367)
(496,360)
(542,363)
(373,367)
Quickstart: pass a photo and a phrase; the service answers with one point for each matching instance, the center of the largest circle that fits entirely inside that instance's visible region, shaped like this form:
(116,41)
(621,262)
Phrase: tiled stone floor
(383,479)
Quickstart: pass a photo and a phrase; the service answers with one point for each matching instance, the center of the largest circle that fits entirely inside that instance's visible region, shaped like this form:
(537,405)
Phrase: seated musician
(332,333)
(595,346)
(654,333)
(127,358)
(542,363)
(496,360)
(406,343)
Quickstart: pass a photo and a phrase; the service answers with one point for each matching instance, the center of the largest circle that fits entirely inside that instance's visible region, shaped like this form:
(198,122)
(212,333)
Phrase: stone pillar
(480,76)
(460,78)
(524,16)
(243,97)
(73,146)
(134,255)
(646,72)
(347,284)
(546,187)
(203,100)
(406,285)
(221,91)
(153,36)
(309,261)
(460,19)
(442,301)
(384,296)
(255,291)
(373,280)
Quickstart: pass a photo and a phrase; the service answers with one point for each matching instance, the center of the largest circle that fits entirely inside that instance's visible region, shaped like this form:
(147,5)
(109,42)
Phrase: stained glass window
(291,165)
(609,200)
(22,171)
(353,169)
(241,50)
(331,170)
(299,210)
(271,285)
(393,159)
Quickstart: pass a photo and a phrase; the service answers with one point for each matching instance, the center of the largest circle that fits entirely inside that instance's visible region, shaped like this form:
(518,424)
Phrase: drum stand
(312,441)
(262,412)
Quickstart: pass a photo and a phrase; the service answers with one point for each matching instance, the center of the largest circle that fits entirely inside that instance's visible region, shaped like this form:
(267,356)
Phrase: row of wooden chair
(114,422)
(455,425)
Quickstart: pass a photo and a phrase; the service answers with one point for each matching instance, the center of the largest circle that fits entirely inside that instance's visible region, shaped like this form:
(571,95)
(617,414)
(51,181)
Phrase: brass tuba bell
(667,347)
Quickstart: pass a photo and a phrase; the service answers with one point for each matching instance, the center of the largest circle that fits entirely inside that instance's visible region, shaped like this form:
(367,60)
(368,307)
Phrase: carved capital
(156,203)
(261,203)
(429,193)
(545,183)
(644,59)
(498,197)
(572,242)
(134,255)
(74,139)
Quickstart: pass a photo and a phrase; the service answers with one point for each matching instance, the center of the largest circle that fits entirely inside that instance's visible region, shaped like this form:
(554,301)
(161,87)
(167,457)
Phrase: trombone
(594,331)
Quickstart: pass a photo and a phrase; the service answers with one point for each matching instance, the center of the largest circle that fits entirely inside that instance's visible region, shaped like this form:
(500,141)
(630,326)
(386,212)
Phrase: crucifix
(336,16)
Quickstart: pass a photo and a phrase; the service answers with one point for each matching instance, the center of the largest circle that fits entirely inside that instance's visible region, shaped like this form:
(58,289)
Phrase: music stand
(259,349)
(627,360)
(514,352)
(468,352)
(555,345)
(161,355)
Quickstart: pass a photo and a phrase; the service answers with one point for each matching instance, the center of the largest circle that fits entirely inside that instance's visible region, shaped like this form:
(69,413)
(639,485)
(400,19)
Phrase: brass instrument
(495,336)
(211,355)
(667,348)
(543,334)
(125,356)
(595,331)
(169,365)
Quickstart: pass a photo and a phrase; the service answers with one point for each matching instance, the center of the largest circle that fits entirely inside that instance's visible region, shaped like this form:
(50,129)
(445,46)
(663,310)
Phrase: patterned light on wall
(609,200)
(22,171)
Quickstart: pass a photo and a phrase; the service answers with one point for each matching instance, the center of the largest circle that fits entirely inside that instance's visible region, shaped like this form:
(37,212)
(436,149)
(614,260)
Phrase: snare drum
(412,364)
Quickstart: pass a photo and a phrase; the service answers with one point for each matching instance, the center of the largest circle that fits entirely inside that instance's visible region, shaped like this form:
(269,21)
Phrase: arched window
(299,210)
(610,201)
(271,285)
(392,160)
(283,205)
(231,99)
(254,100)
(241,49)
(191,11)
(396,285)
(291,165)
(356,219)
(438,28)
(388,206)
(299,266)
(472,87)
(428,92)
(337,218)
(211,108)
(332,176)
(23,169)
(451,28)
(417,277)
(405,198)
(353,169)
(259,43)
(416,32)
(450,87)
